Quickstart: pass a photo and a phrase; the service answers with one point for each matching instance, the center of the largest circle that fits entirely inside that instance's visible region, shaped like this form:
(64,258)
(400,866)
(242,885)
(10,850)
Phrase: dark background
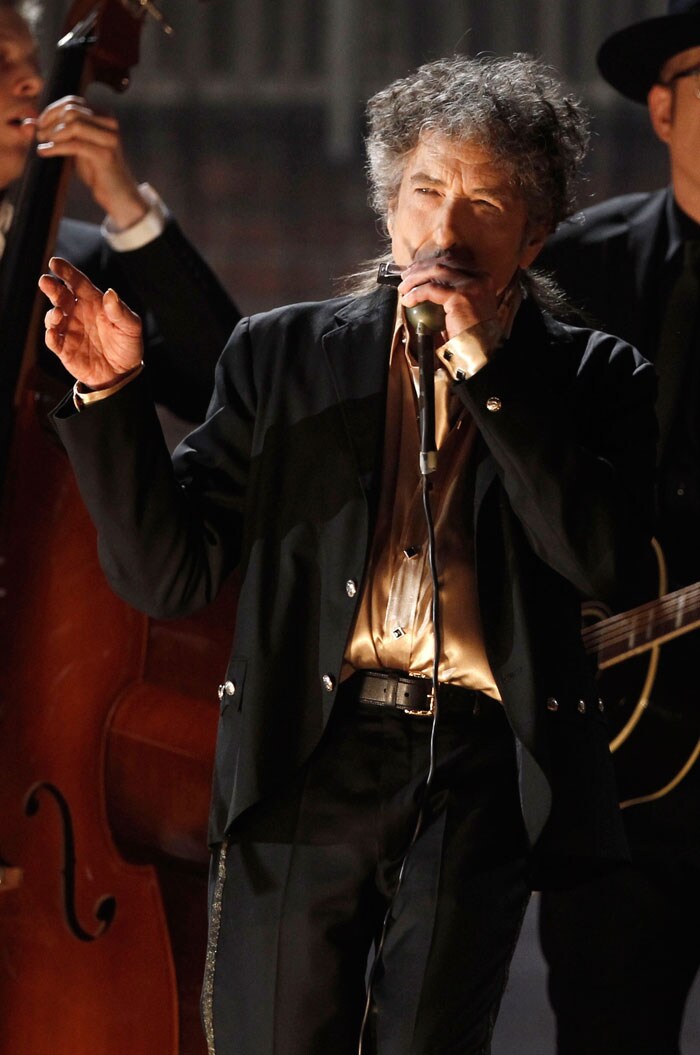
(248,120)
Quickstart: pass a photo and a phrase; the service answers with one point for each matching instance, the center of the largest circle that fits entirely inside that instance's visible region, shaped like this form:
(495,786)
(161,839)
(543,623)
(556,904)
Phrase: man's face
(455,199)
(675,115)
(20,85)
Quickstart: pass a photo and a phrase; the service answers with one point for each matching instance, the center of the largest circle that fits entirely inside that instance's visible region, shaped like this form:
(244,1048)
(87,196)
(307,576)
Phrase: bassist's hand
(94,334)
(72,128)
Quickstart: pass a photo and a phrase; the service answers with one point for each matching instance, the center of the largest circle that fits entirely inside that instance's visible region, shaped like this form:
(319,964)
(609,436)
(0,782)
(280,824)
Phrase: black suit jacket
(187,315)
(615,262)
(282,479)
(608,260)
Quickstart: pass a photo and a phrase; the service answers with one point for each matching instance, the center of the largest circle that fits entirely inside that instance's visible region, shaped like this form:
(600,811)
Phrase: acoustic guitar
(656,743)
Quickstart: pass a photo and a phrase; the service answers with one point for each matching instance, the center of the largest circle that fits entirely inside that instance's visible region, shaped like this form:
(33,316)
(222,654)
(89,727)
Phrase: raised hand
(94,334)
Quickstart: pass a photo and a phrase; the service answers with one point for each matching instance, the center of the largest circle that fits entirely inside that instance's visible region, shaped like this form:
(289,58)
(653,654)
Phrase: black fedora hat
(630,59)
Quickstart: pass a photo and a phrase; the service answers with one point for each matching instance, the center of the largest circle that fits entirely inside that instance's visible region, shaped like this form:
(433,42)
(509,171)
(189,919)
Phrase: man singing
(394,769)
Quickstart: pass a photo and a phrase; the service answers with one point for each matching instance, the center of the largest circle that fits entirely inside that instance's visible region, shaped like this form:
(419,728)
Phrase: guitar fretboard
(621,636)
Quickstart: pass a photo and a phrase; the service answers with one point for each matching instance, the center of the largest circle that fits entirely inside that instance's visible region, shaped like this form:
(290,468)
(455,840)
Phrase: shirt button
(493,404)
(351,587)
(328,682)
(227,689)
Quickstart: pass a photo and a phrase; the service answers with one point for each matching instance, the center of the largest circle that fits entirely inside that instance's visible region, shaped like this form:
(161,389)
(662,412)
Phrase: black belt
(413,695)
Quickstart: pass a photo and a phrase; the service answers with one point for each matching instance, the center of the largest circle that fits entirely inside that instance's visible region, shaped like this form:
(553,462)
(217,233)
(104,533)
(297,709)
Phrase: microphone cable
(426,467)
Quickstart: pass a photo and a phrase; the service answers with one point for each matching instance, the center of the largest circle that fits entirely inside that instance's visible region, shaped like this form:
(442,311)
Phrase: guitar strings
(644,629)
(638,616)
(620,627)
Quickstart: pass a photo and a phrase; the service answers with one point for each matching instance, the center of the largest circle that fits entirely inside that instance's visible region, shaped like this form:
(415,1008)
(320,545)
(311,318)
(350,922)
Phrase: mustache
(448,257)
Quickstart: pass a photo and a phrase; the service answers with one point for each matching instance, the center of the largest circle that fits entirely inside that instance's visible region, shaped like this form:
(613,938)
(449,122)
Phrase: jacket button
(552,704)
(227,689)
(328,682)
(601,705)
(351,587)
(493,404)
(581,705)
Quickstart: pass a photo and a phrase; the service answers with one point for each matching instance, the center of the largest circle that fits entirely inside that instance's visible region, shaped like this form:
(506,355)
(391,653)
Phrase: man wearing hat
(623,952)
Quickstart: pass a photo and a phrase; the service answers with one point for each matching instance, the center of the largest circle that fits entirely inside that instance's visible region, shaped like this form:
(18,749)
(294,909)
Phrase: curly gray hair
(511,106)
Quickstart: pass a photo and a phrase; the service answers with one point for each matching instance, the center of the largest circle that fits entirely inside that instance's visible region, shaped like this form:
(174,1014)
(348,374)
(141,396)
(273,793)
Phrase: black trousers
(624,950)
(304,882)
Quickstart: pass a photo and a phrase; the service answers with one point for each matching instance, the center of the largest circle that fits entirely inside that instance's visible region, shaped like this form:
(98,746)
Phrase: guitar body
(653,709)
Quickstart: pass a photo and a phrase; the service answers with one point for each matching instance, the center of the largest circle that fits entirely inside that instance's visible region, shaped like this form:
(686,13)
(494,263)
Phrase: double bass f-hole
(106,906)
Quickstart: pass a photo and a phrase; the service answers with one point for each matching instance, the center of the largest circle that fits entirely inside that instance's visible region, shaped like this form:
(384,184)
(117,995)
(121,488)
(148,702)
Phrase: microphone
(425,319)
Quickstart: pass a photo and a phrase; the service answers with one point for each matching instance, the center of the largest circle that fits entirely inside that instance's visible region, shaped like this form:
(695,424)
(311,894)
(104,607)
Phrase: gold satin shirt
(392,628)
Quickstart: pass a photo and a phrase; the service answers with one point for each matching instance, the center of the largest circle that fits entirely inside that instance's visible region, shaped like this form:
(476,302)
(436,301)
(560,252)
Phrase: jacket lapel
(357,354)
(644,248)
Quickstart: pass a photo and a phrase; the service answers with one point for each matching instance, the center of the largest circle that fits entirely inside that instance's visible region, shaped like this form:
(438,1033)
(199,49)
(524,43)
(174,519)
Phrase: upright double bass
(107,718)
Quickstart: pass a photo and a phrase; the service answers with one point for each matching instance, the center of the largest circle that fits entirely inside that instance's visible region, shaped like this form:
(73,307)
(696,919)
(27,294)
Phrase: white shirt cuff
(145,230)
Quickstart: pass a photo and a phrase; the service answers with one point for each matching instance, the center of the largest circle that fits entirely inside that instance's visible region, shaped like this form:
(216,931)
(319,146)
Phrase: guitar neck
(622,636)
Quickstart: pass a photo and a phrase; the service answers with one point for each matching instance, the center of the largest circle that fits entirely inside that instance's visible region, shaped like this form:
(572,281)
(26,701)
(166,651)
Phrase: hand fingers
(65,100)
(440,291)
(73,108)
(78,140)
(77,147)
(57,318)
(58,293)
(449,283)
(54,318)
(120,315)
(78,283)
(442,272)
(433,291)
(59,113)
(76,128)
(53,339)
(67,285)
(73,118)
